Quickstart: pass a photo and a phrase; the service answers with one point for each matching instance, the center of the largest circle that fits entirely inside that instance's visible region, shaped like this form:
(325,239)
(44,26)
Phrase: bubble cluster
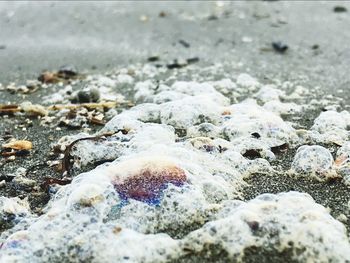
(315,160)
(172,189)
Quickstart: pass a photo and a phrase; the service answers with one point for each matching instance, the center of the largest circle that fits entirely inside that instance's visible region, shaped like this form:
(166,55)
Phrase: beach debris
(279,47)
(63,74)
(88,95)
(18,145)
(39,110)
(192,60)
(153,58)
(340,9)
(67,72)
(30,87)
(48,77)
(90,106)
(252,153)
(184,43)
(16,148)
(177,63)
(213,17)
(33,109)
(48,181)
(9,109)
(66,161)
(162,14)
(7,178)
(280,149)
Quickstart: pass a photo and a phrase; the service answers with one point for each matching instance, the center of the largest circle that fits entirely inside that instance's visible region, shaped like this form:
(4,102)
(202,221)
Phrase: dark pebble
(339,9)
(192,60)
(162,14)
(315,46)
(68,71)
(22,153)
(2,47)
(177,64)
(7,178)
(83,96)
(256,135)
(279,47)
(88,95)
(252,154)
(184,43)
(212,17)
(153,58)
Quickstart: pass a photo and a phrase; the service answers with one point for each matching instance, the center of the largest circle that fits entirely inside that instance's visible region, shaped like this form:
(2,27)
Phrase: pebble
(279,47)
(68,71)
(184,43)
(340,9)
(88,95)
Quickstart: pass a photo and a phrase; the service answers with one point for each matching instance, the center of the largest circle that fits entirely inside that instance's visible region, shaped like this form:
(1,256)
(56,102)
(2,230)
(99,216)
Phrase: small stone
(162,14)
(279,47)
(339,9)
(83,96)
(153,58)
(67,71)
(192,60)
(256,135)
(212,17)
(184,43)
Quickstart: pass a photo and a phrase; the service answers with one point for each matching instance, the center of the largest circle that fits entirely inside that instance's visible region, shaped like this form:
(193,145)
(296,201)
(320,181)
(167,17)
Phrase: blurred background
(314,36)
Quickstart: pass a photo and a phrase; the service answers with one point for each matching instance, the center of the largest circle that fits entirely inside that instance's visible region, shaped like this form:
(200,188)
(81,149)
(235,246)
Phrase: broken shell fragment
(18,145)
(33,109)
(144,179)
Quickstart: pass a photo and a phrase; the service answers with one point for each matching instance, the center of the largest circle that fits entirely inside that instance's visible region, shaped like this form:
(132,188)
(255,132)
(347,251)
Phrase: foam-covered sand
(180,159)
